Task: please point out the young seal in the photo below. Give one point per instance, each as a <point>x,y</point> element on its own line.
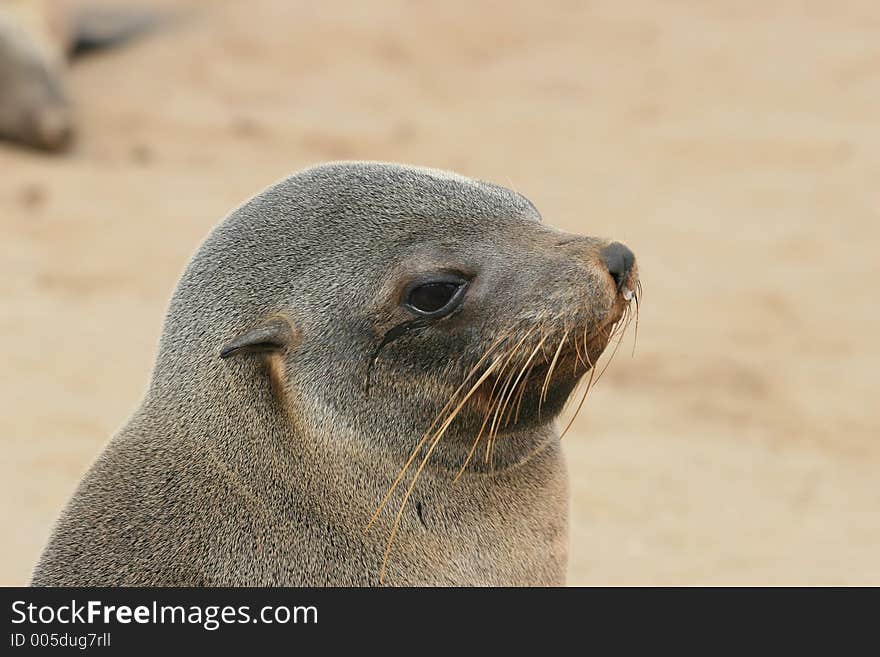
<point>36,37</point>
<point>362,352</point>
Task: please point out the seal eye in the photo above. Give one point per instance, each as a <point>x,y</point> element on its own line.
<point>435,298</point>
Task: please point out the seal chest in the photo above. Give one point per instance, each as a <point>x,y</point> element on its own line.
<point>356,384</point>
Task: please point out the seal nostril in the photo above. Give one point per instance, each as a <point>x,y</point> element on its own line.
<point>619,260</point>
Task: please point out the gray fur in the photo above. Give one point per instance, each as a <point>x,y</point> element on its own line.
<point>224,478</point>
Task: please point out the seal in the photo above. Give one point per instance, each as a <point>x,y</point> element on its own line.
<point>356,384</point>
<point>36,39</point>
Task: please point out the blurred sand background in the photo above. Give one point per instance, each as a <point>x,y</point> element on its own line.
<point>735,146</point>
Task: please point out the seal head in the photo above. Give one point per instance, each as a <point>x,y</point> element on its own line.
<point>381,289</point>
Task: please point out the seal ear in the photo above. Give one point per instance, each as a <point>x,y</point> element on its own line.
<point>271,336</point>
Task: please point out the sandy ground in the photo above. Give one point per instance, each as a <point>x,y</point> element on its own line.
<point>737,150</point>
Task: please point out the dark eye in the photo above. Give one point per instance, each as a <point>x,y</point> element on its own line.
<point>435,298</point>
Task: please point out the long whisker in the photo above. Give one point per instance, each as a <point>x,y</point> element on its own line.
<point>546,384</point>
<point>522,389</point>
<point>493,437</point>
<point>492,405</point>
<point>523,369</point>
<point>435,440</point>
<point>586,342</point>
<point>473,449</point>
<point>577,350</point>
<point>614,351</point>
<point>581,403</point>
<point>421,443</point>
<point>636,334</point>
<point>499,409</point>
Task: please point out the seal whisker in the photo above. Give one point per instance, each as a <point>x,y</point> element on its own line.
<point>509,397</point>
<point>424,438</point>
<point>581,403</point>
<point>622,332</point>
<point>499,408</point>
<point>546,384</point>
<point>522,390</point>
<point>524,385</point>
<point>473,448</point>
<point>491,405</point>
<point>499,411</point>
<point>586,342</point>
<point>636,333</point>
<point>434,441</point>
<point>527,365</point>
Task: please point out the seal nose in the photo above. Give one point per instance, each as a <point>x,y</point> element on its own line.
<point>619,260</point>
